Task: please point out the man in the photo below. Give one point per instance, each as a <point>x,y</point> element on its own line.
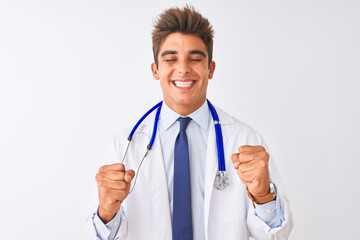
<point>175,197</point>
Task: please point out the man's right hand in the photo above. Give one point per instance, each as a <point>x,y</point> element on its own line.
<point>113,187</point>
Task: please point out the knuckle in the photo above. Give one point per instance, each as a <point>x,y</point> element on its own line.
<point>123,185</point>
<point>102,185</point>
<point>119,185</point>
<point>262,155</point>
<point>242,156</point>
<point>265,155</point>
<point>263,164</point>
<point>261,148</point>
<point>121,166</point>
<point>102,168</point>
<point>121,175</point>
<point>98,176</point>
<point>242,171</point>
<point>105,191</point>
<point>242,148</point>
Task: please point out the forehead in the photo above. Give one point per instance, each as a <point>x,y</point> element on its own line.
<point>182,43</point>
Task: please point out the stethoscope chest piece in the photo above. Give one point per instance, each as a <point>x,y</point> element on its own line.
<point>221,180</point>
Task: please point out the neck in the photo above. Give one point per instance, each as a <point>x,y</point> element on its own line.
<point>184,109</point>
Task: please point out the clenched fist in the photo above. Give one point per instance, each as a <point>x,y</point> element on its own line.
<point>251,164</point>
<point>113,187</point>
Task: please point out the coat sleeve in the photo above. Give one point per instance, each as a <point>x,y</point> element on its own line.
<point>259,229</point>
<point>113,156</point>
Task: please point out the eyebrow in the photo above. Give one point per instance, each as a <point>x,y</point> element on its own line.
<point>190,52</point>
<point>198,52</point>
<point>168,52</point>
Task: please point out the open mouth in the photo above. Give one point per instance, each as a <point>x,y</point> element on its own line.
<point>183,83</point>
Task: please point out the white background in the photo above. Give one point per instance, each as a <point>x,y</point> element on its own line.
<point>74,73</point>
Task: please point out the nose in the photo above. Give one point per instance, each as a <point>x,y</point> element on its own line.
<point>183,67</point>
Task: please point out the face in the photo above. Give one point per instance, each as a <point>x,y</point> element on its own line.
<point>183,71</point>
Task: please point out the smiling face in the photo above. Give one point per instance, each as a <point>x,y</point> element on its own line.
<point>183,71</point>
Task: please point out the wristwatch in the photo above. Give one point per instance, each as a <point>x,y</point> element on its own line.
<point>264,199</point>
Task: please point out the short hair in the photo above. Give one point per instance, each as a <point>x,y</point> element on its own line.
<point>186,21</point>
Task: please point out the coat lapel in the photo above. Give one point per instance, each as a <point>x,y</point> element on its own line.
<point>211,167</point>
<point>156,181</point>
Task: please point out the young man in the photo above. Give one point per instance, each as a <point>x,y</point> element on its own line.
<point>174,196</point>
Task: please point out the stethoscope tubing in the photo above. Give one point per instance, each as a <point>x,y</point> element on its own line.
<point>142,119</point>
<point>156,121</point>
<point>219,138</point>
<point>218,134</point>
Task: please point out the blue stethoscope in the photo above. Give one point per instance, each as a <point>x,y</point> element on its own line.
<point>221,180</point>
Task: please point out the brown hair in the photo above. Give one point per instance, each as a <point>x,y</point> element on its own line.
<point>186,21</point>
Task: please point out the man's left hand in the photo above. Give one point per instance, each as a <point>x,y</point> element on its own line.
<point>251,164</point>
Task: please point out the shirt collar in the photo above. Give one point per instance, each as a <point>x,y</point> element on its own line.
<point>169,116</point>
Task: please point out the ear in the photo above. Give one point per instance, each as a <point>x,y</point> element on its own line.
<point>211,69</point>
<point>154,71</point>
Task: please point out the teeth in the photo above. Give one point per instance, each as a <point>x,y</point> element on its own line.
<point>183,84</point>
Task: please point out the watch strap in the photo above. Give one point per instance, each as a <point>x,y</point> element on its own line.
<point>261,200</point>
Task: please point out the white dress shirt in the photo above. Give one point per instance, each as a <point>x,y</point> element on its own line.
<point>197,134</point>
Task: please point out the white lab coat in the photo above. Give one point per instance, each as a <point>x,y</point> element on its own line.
<point>228,213</point>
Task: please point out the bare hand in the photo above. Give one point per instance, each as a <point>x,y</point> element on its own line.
<point>251,164</point>
<point>113,187</point>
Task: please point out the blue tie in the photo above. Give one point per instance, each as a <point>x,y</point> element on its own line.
<point>182,220</point>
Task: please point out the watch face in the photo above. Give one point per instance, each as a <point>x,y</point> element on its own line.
<point>272,188</point>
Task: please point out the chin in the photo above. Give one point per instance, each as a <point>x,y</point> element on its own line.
<point>190,102</point>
